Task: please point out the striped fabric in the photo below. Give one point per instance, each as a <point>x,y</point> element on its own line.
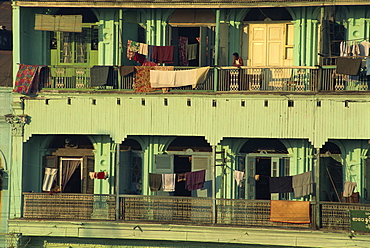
<point>49,178</point>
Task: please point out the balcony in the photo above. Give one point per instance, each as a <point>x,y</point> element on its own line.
<point>228,79</point>
<point>174,210</point>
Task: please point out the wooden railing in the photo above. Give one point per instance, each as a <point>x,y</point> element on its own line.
<point>229,79</point>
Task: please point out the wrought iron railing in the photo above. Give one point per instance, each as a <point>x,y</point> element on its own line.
<point>164,209</point>
<point>229,79</point>
<point>337,215</point>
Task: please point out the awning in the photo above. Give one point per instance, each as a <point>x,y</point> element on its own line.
<point>65,23</point>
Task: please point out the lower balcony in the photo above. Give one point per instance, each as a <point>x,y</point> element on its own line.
<point>179,210</point>
<point>223,79</point>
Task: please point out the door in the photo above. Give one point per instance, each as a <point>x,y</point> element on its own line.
<point>265,167</point>
<point>182,165</point>
<point>269,44</point>
<point>200,42</point>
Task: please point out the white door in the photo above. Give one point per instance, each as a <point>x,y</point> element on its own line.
<point>269,44</point>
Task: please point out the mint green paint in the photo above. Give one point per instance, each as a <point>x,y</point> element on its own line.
<point>5,153</point>
<point>108,47</point>
<point>16,26</point>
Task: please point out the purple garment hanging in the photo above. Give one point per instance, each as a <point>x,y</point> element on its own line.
<point>195,180</point>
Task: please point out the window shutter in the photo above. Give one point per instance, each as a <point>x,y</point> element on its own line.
<point>202,163</point>
<point>50,162</point>
<point>63,23</point>
<point>163,164</point>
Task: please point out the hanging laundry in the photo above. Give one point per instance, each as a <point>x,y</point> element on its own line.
<point>163,54</point>
<point>142,77</point>
<point>364,48</point>
<point>125,70</point>
<point>139,58</point>
<point>343,49</point>
<point>281,184</point>
<point>132,48</point>
<point>168,79</point>
<point>101,175</point>
<point>302,184</point>
<point>30,78</point>
<point>168,182</point>
<point>355,49</point>
<point>100,75</point>
<point>143,49</point>
<point>348,66</point>
<point>155,181</point>
<point>150,53</point>
<point>238,176</point>
<point>290,211</point>
<point>92,175</point>
<point>195,180</point>
<point>49,179</point>
<point>183,42</point>
<point>192,51</point>
<point>349,188</point>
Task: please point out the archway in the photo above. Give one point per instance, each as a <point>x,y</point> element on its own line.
<point>331,173</point>
<point>73,158</point>
<point>130,167</point>
<point>266,158</point>
<point>189,154</point>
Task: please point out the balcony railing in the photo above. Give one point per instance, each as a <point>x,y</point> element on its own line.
<point>228,79</point>
<point>185,210</point>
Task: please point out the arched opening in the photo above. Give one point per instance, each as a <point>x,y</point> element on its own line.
<point>193,36</point>
<point>266,158</point>
<point>130,167</point>
<point>268,37</point>
<point>268,14</point>
<point>331,173</point>
<point>67,168</point>
<point>186,154</point>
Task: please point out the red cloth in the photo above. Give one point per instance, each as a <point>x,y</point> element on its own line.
<point>100,175</point>
<point>183,42</point>
<point>140,58</point>
<point>30,78</point>
<point>163,54</point>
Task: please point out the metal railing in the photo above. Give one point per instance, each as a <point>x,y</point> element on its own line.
<point>229,79</point>
<point>337,216</point>
<point>185,210</point>
<point>68,206</point>
<point>268,79</point>
<point>158,209</point>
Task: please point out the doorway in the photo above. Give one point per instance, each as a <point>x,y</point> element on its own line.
<point>70,176</point>
<point>182,164</point>
<point>263,168</point>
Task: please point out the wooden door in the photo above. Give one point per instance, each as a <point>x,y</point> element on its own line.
<point>270,44</point>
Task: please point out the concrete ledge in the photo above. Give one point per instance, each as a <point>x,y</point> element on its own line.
<point>185,233</point>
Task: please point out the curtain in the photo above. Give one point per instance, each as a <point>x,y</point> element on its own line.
<point>68,168</point>
<point>49,178</point>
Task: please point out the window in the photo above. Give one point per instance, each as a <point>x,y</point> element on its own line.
<point>5,40</point>
<point>75,48</point>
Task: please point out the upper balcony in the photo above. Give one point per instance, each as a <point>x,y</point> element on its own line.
<point>296,79</point>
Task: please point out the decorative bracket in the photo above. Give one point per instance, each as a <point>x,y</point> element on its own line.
<point>17,122</point>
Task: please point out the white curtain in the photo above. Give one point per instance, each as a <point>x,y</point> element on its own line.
<point>68,168</point>
<point>49,178</point>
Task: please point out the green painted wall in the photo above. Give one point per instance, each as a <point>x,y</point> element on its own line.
<point>5,154</point>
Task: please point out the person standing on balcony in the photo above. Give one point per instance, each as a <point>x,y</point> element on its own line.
<point>235,75</point>
<point>238,61</point>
